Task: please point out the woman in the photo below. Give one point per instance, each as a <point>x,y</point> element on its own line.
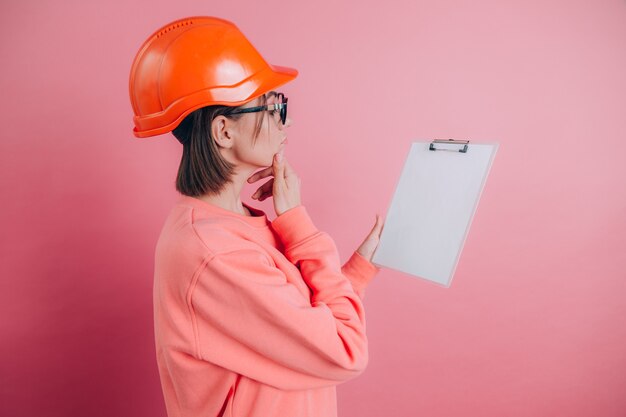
<point>252,317</point>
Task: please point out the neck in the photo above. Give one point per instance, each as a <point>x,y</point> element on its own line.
<point>229,198</point>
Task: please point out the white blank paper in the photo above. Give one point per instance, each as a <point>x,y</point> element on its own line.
<point>432,209</point>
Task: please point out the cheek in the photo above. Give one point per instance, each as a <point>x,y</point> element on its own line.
<point>258,154</point>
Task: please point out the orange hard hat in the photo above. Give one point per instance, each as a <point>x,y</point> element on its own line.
<point>192,63</point>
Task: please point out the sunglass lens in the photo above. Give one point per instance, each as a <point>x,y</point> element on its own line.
<point>283,111</point>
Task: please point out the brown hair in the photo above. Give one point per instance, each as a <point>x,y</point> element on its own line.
<point>202,168</point>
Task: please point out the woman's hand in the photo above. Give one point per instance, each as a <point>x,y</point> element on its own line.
<point>284,187</point>
<point>369,245</point>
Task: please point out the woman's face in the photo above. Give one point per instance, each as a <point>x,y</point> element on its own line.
<point>271,139</point>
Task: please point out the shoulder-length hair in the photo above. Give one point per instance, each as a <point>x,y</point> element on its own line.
<point>202,168</point>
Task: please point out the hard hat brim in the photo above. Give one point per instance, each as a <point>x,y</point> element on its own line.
<point>251,88</point>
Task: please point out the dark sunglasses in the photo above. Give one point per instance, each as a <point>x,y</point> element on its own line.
<point>281,104</point>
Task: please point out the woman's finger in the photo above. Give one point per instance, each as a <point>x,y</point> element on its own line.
<point>370,243</point>
<point>286,190</point>
<point>278,168</point>
<point>374,234</point>
<point>266,172</point>
<point>289,172</point>
<point>291,178</point>
<point>378,227</point>
<point>265,195</point>
<point>264,189</point>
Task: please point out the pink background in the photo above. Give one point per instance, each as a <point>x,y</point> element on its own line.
<point>534,322</point>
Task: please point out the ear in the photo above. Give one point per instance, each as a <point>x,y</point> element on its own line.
<point>223,131</point>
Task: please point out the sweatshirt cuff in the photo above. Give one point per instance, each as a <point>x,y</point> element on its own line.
<point>364,270</point>
<point>294,225</point>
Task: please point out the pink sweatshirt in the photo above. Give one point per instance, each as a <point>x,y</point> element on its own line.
<point>252,317</point>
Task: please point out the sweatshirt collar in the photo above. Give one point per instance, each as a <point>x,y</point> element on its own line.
<point>258,218</point>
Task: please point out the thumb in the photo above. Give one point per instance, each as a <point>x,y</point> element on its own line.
<point>370,244</point>
<point>378,227</point>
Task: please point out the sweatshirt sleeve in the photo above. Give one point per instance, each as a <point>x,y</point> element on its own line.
<point>360,272</point>
<point>248,318</point>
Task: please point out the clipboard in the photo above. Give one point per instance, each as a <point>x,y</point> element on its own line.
<point>433,206</point>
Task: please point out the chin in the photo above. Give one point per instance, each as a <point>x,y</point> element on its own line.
<point>266,164</point>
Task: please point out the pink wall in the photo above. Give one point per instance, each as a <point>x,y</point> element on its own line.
<point>534,323</point>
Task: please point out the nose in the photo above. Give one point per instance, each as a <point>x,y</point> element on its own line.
<point>288,122</point>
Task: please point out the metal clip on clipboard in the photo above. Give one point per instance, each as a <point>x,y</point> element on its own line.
<point>449,141</point>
